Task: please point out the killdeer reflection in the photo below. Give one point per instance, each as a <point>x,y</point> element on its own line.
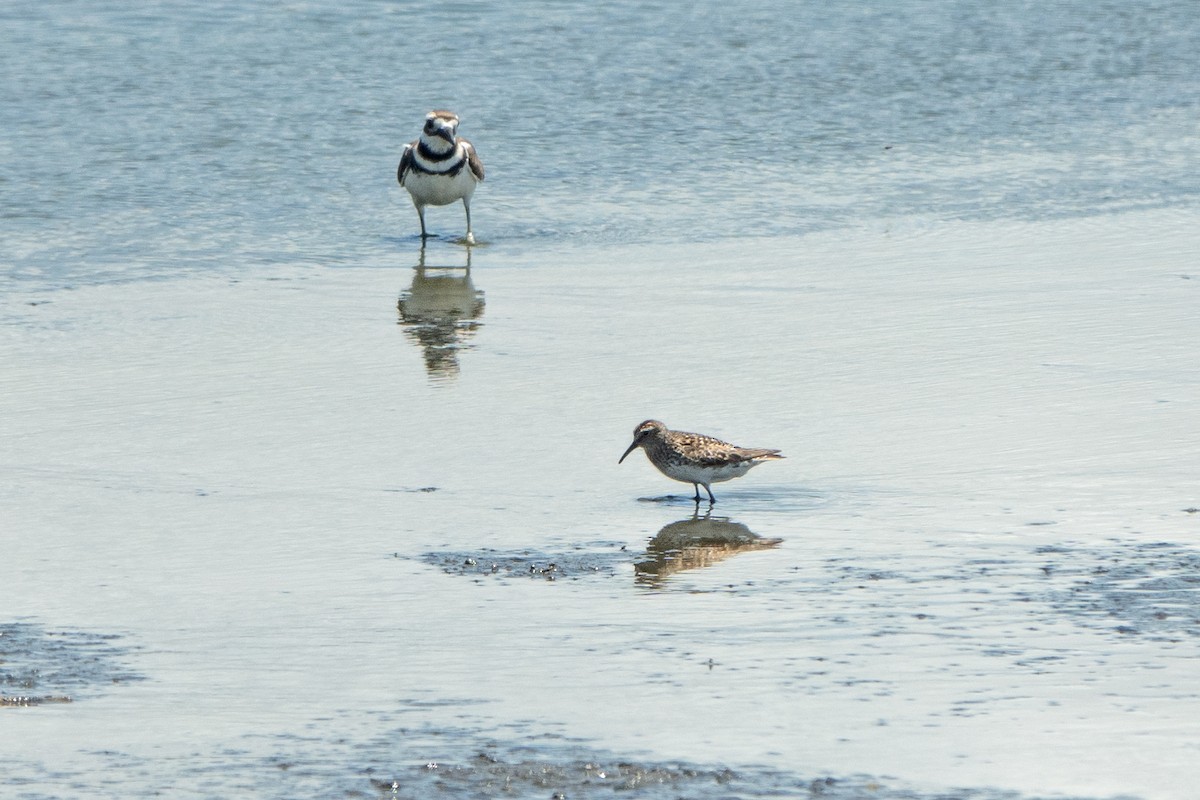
<point>440,168</point>
<point>441,311</point>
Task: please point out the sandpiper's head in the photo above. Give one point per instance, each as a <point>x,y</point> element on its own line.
<point>440,126</point>
<point>643,433</point>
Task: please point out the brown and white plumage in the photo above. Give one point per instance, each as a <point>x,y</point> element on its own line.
<point>695,458</point>
<point>440,167</point>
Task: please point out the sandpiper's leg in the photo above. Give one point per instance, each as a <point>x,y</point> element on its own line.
<point>467,207</point>
<point>421,215</point>
<point>711,499</point>
<point>697,497</point>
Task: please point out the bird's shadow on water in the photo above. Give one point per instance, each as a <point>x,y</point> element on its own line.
<point>788,499</point>
<point>433,239</point>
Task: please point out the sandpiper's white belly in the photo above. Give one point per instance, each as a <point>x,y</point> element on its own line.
<point>690,473</point>
<point>440,190</point>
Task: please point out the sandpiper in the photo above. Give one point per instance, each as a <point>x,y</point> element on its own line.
<point>440,168</point>
<point>695,458</point>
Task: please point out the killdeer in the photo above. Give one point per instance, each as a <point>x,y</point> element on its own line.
<point>694,458</point>
<point>440,167</point>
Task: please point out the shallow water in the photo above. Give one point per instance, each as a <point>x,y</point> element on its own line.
<point>985,573</point>
<point>160,140</point>
<point>354,511</point>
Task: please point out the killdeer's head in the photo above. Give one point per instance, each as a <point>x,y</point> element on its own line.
<point>441,130</point>
<point>643,433</point>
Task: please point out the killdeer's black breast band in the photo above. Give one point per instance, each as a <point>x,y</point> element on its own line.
<point>450,171</point>
<point>430,155</point>
<point>449,163</point>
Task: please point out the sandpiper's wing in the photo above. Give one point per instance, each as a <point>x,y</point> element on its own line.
<point>696,443</point>
<point>711,451</point>
<point>472,159</point>
<point>731,454</point>
<point>707,451</point>
<point>754,453</point>
<point>406,162</point>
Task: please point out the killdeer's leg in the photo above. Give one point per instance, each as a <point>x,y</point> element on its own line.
<point>421,215</point>
<point>467,207</point>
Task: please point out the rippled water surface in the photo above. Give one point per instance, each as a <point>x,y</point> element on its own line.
<point>296,507</point>
<point>150,139</point>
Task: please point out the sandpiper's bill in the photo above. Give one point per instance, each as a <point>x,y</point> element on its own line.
<point>695,458</point>
<point>440,167</point>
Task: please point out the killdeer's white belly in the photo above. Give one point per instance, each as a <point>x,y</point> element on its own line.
<point>440,190</point>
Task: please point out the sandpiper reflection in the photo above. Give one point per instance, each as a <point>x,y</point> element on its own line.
<point>441,311</point>
<point>697,542</point>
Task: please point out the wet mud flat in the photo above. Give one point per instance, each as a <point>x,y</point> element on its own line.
<point>40,666</point>
<point>455,763</point>
<point>1149,589</point>
<point>569,772</point>
<point>488,775</point>
<point>584,561</point>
